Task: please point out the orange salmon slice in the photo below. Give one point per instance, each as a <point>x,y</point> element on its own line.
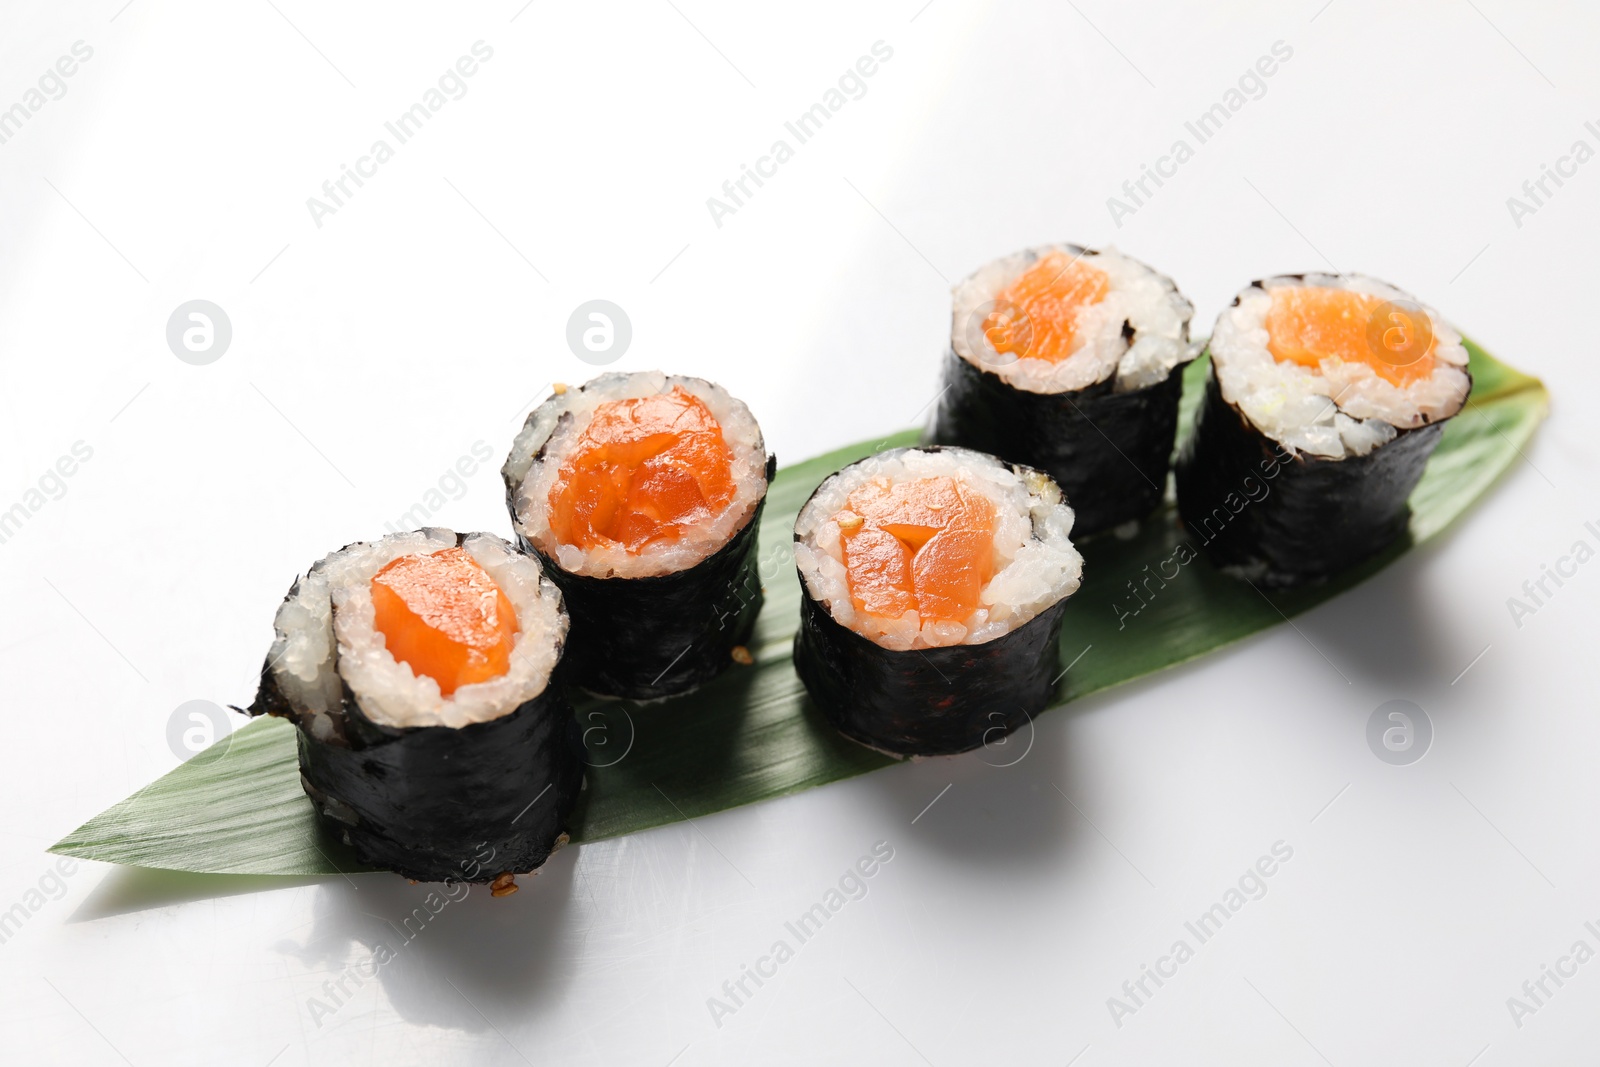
<point>1036,316</point>
<point>643,471</point>
<point>442,615</point>
<point>925,545</point>
<point>1308,324</point>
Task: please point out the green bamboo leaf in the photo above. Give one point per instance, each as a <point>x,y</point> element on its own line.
<point>751,735</point>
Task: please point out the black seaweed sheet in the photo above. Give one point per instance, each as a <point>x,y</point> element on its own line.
<point>436,803</point>
<point>1108,451</point>
<point>1286,520</point>
<point>927,702</point>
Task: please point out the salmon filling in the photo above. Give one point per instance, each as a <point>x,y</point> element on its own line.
<point>643,471</point>
<point>925,546</point>
<point>443,616</point>
<point>1308,324</point>
<point>1036,316</point>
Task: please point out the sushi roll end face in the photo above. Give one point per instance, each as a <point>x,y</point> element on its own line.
<point>641,494</point>
<point>1070,360</point>
<point>418,671</point>
<point>934,581</point>
<point>1326,395</point>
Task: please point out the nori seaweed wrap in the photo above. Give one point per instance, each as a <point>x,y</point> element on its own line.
<point>474,785</point>
<point>933,702</point>
<point>1070,361</point>
<point>660,635</point>
<point>977,553</point>
<point>1317,478</point>
<point>661,592</point>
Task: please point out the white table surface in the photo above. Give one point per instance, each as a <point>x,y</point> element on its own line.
<point>428,311</point>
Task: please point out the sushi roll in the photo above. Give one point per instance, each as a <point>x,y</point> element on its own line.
<point>418,670</point>
<point>1071,361</point>
<point>934,584</point>
<point>1325,397</point>
<point>641,494</point>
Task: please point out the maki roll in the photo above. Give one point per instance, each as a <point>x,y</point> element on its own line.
<point>934,584</point>
<point>1070,360</point>
<point>641,494</point>
<point>1325,397</point>
<point>417,669</point>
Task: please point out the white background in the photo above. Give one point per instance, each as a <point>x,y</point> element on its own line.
<point>429,312</point>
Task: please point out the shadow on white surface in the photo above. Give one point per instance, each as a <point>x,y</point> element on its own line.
<point>1001,808</point>
<point>1389,632</point>
<point>125,890</point>
<point>470,964</point>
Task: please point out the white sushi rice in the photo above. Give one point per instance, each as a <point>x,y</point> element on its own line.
<point>1035,564</point>
<point>555,426</point>
<point>1337,409</point>
<point>1148,302</point>
<point>326,635</point>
